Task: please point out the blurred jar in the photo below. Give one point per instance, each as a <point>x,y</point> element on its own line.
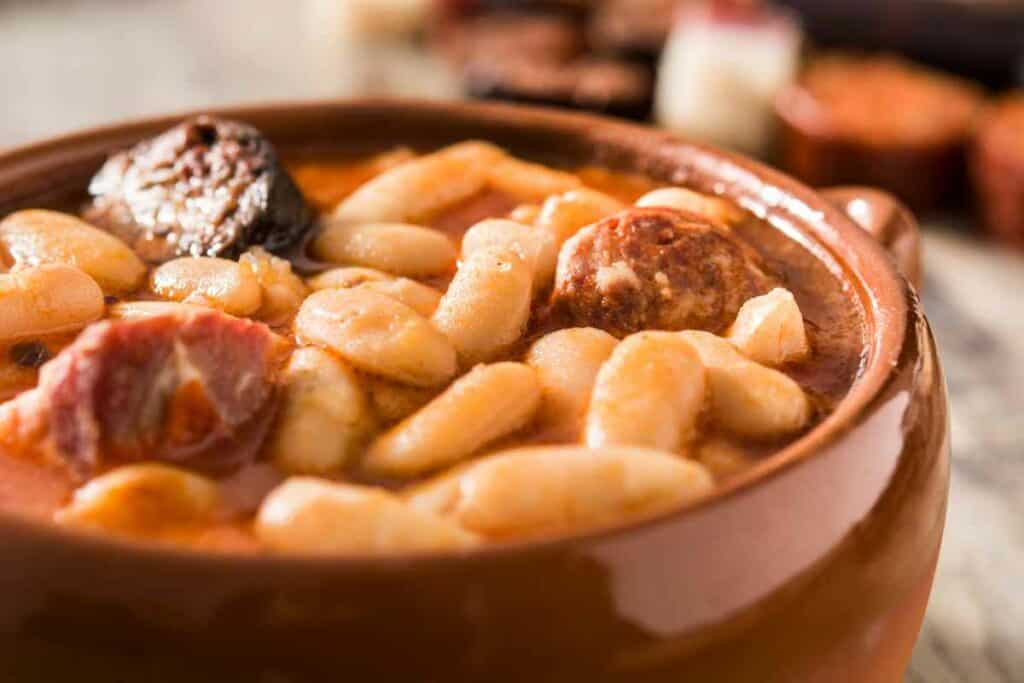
<point>723,65</point>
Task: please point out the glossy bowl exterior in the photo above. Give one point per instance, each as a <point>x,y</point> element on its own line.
<point>819,571</point>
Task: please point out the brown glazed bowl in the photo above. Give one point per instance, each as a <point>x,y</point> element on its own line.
<point>814,566</point>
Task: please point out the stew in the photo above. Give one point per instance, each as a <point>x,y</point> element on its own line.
<point>227,349</point>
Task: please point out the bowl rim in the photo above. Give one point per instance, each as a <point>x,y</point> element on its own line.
<point>889,306</point>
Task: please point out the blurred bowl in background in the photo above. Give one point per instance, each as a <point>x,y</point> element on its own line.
<point>881,121</point>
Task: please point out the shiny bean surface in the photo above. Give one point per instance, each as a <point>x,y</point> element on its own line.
<point>325,419</point>
<point>215,282</point>
<point>487,304</point>
<point>769,329</point>
<point>313,516</point>
<point>282,290</point>
<point>395,248</point>
<point>141,500</point>
<point>526,180</point>
<point>346,278</point>
<point>134,310</point>
<point>36,237</point>
<point>650,393</point>
<point>746,398</point>
<point>489,402</point>
<point>712,208</point>
<point>416,189</point>
<point>47,299</point>
<point>567,363</point>
<point>416,295</point>
<point>563,215</point>
<point>537,247</point>
<point>377,334</point>
<point>544,490</point>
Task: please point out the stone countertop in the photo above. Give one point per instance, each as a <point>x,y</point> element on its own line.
<point>76,63</point>
<point>974,297</point>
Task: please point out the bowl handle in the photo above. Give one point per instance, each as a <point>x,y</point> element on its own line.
<point>887,220</point>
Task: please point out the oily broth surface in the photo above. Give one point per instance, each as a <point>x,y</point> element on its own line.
<point>833,322</point>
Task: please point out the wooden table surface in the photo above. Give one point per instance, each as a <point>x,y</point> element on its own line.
<point>75,63</point>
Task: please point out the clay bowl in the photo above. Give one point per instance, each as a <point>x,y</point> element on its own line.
<point>814,566</point>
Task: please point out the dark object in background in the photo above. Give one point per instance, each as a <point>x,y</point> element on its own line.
<point>878,121</point>
<point>616,88</point>
<point>568,8</point>
<point>505,35</point>
<point>628,28</point>
<point>983,39</point>
<point>541,58</point>
<point>206,187</point>
<point>997,169</point>
<point>636,28</point>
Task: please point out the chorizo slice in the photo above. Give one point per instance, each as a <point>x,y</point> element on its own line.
<point>196,389</point>
<point>207,187</point>
<point>655,268</point>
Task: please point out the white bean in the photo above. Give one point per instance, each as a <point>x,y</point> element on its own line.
<point>36,237</point>
<point>748,399</point>
<point>525,214</point>
<point>489,402</point>
<point>650,393</point>
<point>395,248</point>
<point>141,500</point>
<point>415,295</point>
<point>377,334</point>
<point>722,459</point>
<point>325,418</point>
<point>565,214</point>
<point>544,490</point>
<point>393,402</point>
<point>528,181</point>
<point>308,515</point>
<point>135,310</point>
<point>487,304</point>
<point>537,247</point>
<point>769,329</point>
<point>206,281</point>
<point>713,208</point>
<point>47,299</point>
<point>420,188</point>
<point>282,290</point>
<point>346,278</point>
<point>567,363</point>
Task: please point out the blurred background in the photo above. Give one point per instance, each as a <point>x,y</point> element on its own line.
<point>922,97</point>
